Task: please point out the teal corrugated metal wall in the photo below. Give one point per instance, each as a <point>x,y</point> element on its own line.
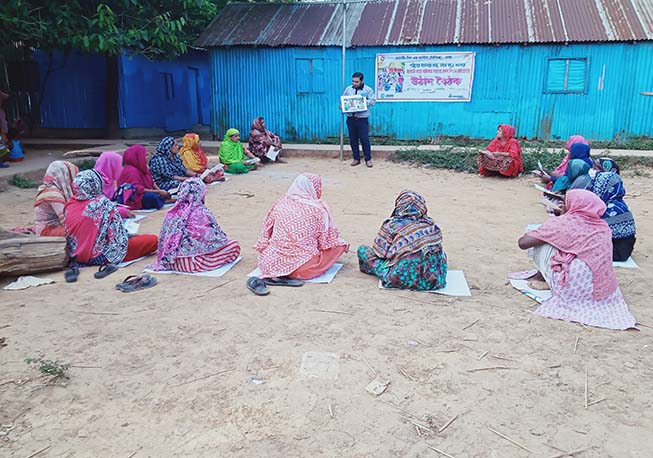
<point>508,88</point>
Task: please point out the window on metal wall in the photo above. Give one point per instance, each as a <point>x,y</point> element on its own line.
<point>309,74</point>
<point>168,86</point>
<point>566,76</point>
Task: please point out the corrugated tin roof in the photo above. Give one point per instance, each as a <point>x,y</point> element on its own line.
<point>429,22</point>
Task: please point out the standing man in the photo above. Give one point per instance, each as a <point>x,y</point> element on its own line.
<point>358,123</point>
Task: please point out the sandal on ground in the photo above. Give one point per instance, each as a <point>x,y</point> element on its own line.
<point>71,275</point>
<point>105,271</point>
<point>283,281</point>
<point>136,283</point>
<point>257,286</point>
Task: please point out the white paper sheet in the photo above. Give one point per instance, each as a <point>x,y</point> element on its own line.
<point>217,273</point>
<point>27,282</point>
<point>537,295</point>
<point>456,285</point>
<point>326,277</point>
<point>627,264</point>
<point>131,226</point>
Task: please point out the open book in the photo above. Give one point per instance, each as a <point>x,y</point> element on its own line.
<point>548,193</point>
<point>213,169</point>
<point>256,160</point>
<point>272,153</point>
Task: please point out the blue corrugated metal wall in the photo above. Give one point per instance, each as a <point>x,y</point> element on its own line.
<point>72,90</point>
<point>508,88</point>
<point>173,95</point>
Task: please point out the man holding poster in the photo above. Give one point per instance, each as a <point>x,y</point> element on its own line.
<point>357,120</point>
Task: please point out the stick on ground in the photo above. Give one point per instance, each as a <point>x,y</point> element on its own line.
<point>572,453</point>
<point>40,451</point>
<point>439,451</point>
<point>596,402</point>
<point>333,311</point>
<point>576,344</point>
<point>406,375</point>
<point>446,425</point>
<point>201,378</point>
<point>586,389</point>
<point>368,364</point>
<point>489,368</point>
<point>509,439</point>
<point>471,324</point>
<point>483,355</point>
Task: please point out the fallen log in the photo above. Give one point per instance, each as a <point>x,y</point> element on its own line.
<point>25,254</point>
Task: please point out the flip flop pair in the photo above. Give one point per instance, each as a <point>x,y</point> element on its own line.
<point>136,283</point>
<point>260,286</point>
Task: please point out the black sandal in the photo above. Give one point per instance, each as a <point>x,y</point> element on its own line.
<point>136,283</point>
<point>105,271</point>
<point>283,281</point>
<point>71,275</point>
<point>257,286</point>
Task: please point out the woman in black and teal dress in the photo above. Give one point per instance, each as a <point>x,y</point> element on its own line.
<point>407,252</point>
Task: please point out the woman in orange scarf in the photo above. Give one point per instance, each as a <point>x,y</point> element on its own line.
<point>192,154</point>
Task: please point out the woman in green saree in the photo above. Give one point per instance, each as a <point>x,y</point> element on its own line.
<point>234,156</point>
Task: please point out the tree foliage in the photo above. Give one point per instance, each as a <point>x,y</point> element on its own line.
<point>157,30</point>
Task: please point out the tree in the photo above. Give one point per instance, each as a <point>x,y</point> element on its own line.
<point>157,30</point>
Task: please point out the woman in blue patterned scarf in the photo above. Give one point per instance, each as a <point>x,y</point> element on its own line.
<point>407,251</point>
<point>607,184</point>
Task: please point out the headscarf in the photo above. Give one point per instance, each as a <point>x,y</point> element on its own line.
<point>94,228</point>
<point>109,165</point>
<point>609,187</point>
<point>192,153</point>
<point>231,152</point>
<point>575,169</point>
<point>562,168</point>
<point>580,151</point>
<point>581,233</point>
<point>307,189</point>
<point>57,183</point>
<point>508,145</point>
<point>408,230</point>
<point>135,159</point>
<point>165,146</point>
<point>189,229</point>
<point>575,139</point>
<point>258,133</point>
<point>607,164</point>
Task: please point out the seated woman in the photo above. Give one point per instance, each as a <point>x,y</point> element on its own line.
<point>51,198</point>
<point>261,139</point>
<point>167,167</point>
<point>576,177</point>
<point>407,252</point>
<point>502,155</point>
<point>232,154</point>
<point>573,254</point>
<point>191,240</point>
<point>299,238</point>
<point>145,194</point>
<point>550,178</point>
<point>195,160</point>
<point>607,185</point>
<point>109,166</point>
<point>94,228</point>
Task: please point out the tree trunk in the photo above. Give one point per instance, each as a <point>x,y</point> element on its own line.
<point>21,254</point>
<point>111,97</point>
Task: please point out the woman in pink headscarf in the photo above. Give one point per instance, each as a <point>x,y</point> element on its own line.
<point>299,238</point>
<point>136,183</point>
<point>560,170</point>
<point>191,240</point>
<point>573,254</point>
<point>109,165</point>
<point>502,155</point>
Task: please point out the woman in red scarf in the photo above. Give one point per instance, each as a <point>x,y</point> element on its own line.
<point>146,194</point>
<point>502,155</point>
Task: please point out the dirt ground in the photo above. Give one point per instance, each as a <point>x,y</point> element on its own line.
<point>177,370</point>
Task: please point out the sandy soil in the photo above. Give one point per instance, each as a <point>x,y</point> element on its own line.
<point>143,381</point>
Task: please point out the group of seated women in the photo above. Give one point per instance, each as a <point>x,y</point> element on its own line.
<point>602,177</point>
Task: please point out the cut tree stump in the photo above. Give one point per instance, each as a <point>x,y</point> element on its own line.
<point>28,254</point>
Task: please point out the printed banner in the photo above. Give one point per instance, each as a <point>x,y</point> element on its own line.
<point>433,76</point>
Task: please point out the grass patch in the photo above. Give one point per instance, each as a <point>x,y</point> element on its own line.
<point>464,159</point>
<point>23,182</point>
<point>86,164</point>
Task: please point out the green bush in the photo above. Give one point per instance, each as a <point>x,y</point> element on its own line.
<point>22,182</point>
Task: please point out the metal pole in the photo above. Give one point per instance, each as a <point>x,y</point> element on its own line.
<point>344,47</point>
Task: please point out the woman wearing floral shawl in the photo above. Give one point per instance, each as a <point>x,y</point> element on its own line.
<point>51,199</point>
<point>407,251</point>
<point>94,228</point>
<point>261,139</point>
<point>191,240</point>
<point>167,167</point>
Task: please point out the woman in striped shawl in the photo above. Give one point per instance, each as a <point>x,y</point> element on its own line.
<point>407,252</point>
